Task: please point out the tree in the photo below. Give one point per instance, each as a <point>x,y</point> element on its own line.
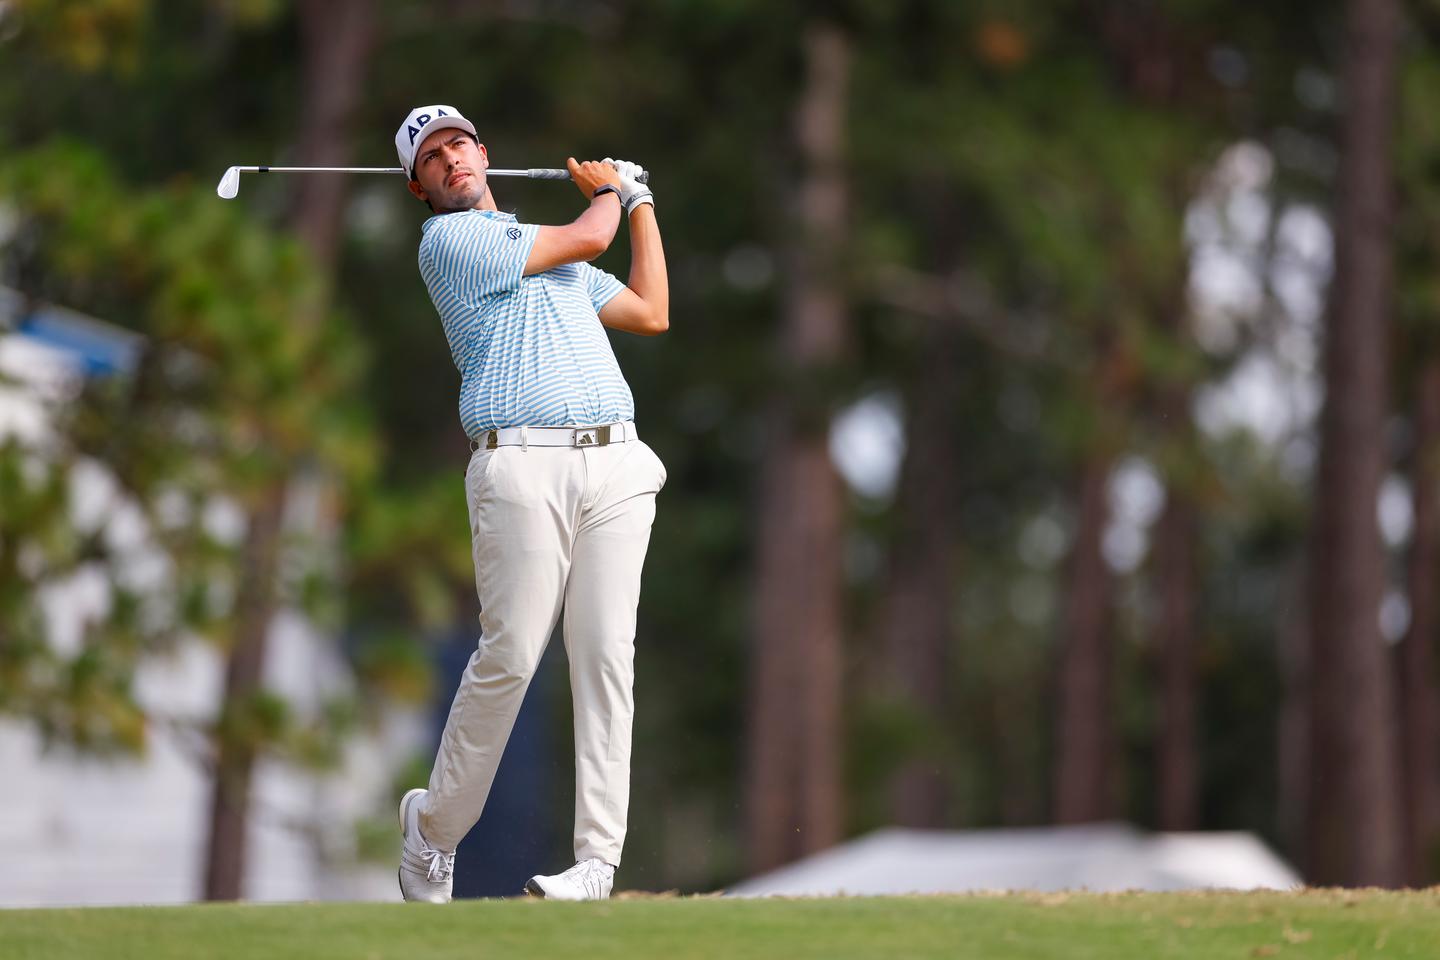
<point>1085,747</point>
<point>336,46</point>
<point>793,783</point>
<point>1418,376</point>
<point>918,635</point>
<point>229,395</point>
<point>1177,579</point>
<point>1419,708</point>
<point>1150,46</point>
<point>1354,819</point>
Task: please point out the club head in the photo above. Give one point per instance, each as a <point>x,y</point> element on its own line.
<point>229,184</point>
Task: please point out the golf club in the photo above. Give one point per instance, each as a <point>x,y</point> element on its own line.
<point>229,186</point>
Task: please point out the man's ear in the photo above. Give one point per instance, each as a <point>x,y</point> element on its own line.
<point>484,156</point>
<point>418,190</point>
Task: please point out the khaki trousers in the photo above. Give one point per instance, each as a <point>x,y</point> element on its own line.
<point>551,526</point>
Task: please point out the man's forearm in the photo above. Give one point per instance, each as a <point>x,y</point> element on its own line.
<point>583,239</point>
<point>601,219</point>
<point>648,277</point>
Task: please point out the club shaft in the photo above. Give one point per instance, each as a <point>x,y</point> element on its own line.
<point>534,173</point>
<point>268,169</point>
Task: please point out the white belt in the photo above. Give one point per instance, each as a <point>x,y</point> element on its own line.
<point>600,436</point>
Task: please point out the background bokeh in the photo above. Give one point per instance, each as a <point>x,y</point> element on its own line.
<point>1049,405</point>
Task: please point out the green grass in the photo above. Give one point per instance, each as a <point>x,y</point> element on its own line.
<point>1328,924</point>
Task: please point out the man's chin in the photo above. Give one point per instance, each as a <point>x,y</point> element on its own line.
<point>464,196</point>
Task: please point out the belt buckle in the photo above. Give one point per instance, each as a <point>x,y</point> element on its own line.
<point>592,436</point>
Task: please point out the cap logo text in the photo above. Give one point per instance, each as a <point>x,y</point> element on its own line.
<point>420,122</point>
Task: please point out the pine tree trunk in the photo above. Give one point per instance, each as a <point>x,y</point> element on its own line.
<point>235,757</point>
<point>337,39</point>
<point>1083,736</point>
<point>1292,733</point>
<point>1175,572</point>
<point>1151,47</point>
<point>794,759</point>
<point>1354,807</point>
<point>918,636</point>
<point>1420,704</point>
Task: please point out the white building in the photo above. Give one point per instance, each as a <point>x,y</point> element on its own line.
<point>1099,857</point>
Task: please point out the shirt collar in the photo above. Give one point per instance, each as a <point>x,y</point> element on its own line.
<point>488,214</point>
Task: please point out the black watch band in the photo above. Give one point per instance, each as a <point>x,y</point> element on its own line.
<point>605,188</point>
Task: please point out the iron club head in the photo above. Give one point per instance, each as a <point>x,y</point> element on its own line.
<point>229,185</point>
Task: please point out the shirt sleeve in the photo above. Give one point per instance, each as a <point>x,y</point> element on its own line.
<point>479,257</point>
<point>601,286</point>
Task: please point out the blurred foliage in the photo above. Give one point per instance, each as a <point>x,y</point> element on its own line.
<point>229,392</point>
<point>1017,170</point>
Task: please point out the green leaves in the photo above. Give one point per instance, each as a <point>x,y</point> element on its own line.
<point>234,309</point>
<point>245,378</point>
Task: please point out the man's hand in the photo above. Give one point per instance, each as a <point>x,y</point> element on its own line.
<point>632,191</point>
<point>592,175</point>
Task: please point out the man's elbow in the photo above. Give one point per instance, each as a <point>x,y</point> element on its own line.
<point>657,322</point>
<point>583,243</point>
<point>597,241</point>
<point>594,245</point>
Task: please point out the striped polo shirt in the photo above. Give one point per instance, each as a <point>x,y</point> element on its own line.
<point>530,350</point>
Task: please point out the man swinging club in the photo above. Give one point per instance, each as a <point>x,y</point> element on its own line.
<point>561,490</point>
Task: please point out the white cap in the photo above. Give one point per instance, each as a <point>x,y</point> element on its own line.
<point>422,122</point>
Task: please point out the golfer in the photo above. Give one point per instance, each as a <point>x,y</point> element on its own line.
<point>561,490</point>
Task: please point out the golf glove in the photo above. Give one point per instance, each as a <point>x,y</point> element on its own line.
<point>632,191</point>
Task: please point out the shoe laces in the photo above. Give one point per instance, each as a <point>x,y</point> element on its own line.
<point>591,875</point>
<point>591,869</point>
<point>439,866</point>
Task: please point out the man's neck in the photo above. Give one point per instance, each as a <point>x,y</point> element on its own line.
<point>486,202</point>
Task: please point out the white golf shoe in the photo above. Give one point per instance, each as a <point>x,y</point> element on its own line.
<point>587,880</point>
<point>426,874</point>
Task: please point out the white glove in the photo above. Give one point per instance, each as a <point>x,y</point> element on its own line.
<point>632,191</point>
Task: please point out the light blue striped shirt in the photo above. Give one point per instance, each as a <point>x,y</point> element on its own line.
<point>530,350</point>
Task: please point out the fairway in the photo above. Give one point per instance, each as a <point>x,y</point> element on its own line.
<point>1326,924</point>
